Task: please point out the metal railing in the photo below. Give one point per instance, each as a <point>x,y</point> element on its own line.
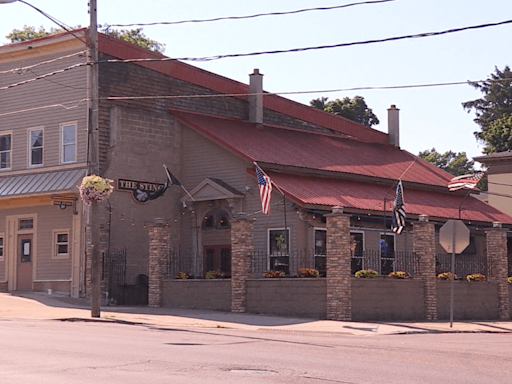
<point>180,262</point>
<point>465,264</point>
<point>387,262</point>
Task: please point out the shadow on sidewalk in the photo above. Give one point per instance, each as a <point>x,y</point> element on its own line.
<point>62,301</point>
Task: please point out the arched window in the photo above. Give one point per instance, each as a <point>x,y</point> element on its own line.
<point>216,219</point>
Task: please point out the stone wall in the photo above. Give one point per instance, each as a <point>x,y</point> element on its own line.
<point>212,294</point>
<point>472,300</point>
<point>288,297</point>
<point>383,298</point>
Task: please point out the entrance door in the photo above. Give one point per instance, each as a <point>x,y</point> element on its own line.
<point>217,258</point>
<point>24,263</point>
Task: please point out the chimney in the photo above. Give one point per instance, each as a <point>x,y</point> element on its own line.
<point>256,102</point>
<point>393,126</point>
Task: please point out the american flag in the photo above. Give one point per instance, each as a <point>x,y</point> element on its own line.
<point>265,186</point>
<point>398,210</point>
<point>465,182</point>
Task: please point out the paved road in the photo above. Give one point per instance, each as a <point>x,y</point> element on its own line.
<point>64,352</point>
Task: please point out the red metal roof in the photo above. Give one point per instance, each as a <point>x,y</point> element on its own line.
<point>370,197</point>
<point>221,84</point>
<point>316,151</point>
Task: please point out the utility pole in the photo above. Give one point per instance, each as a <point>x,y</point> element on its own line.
<point>94,161</point>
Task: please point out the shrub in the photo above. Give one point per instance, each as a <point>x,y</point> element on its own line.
<point>398,274</point>
<point>273,273</point>
<point>509,279</point>
<point>308,272</point>
<point>214,275</point>
<point>446,276</point>
<point>366,273</point>
<point>475,277</point>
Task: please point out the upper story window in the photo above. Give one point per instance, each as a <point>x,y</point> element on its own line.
<point>68,143</point>
<point>35,147</point>
<point>5,150</point>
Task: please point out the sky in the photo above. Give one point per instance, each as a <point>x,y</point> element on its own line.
<point>430,117</point>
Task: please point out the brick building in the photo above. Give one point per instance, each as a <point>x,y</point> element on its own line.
<point>168,112</point>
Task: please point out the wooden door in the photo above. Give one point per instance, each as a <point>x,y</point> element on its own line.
<point>24,263</point>
<point>217,258</point>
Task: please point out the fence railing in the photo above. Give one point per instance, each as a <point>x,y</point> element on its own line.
<point>291,262</point>
<point>464,264</point>
<point>387,262</point>
<point>180,262</point>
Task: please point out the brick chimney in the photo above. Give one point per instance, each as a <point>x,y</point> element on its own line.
<point>393,126</point>
<point>256,102</point>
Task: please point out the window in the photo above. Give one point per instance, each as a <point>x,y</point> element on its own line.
<point>5,151</point>
<point>68,143</point>
<point>278,243</point>
<point>387,252</point>
<point>35,147</point>
<point>357,248</point>
<point>278,240</point>
<point>61,244</point>
<point>1,247</point>
<point>216,219</point>
<point>26,223</point>
<point>320,250</point>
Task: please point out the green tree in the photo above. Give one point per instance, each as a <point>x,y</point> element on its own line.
<point>134,36</point>
<point>29,33</point>
<point>494,111</point>
<point>457,164</point>
<point>354,109</point>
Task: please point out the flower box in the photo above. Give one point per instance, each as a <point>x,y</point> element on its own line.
<point>366,274</point>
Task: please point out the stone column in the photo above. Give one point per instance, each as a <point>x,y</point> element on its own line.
<point>242,249</point>
<point>339,287</point>
<point>424,246</point>
<point>497,265</point>
<point>159,245</point>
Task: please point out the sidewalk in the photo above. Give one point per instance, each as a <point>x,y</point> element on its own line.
<point>49,307</point>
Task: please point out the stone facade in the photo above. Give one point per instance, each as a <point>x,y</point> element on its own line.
<point>241,254</point>
<point>497,264</point>
<point>159,244</point>
<point>424,247</point>
<point>339,294</point>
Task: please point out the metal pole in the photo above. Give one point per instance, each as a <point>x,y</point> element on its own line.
<point>452,286</point>
<point>94,162</point>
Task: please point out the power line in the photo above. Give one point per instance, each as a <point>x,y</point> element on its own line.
<point>107,26</point>
<point>28,67</point>
<point>154,97</point>
<point>75,103</point>
<point>43,76</point>
<point>61,24</point>
<point>232,55</point>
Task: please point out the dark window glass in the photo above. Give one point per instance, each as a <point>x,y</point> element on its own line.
<point>26,223</point>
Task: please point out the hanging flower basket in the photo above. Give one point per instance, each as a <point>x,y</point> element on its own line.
<point>95,188</point>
